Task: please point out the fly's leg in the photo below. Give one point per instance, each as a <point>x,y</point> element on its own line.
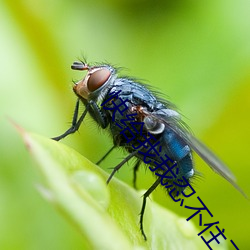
<point>116,168</point>
<point>136,167</point>
<point>105,155</point>
<point>98,115</point>
<point>145,196</point>
<point>75,124</point>
<point>91,107</point>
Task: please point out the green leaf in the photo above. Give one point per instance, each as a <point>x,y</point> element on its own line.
<point>106,215</point>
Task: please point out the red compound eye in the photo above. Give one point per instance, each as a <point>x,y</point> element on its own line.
<point>97,79</point>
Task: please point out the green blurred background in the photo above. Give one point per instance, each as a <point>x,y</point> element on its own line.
<point>195,52</point>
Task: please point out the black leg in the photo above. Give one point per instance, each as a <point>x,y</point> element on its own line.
<point>136,167</point>
<point>105,155</point>
<point>145,196</point>
<point>75,124</point>
<point>76,111</point>
<point>122,163</point>
<point>100,117</point>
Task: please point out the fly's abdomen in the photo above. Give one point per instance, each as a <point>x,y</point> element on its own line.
<point>180,152</point>
<point>169,158</point>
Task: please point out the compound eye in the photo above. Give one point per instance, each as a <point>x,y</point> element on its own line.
<point>97,79</point>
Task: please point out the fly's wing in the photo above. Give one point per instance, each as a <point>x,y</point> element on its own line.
<point>212,160</point>
<point>174,123</point>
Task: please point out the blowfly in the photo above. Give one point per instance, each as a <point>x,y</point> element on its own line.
<point>148,127</point>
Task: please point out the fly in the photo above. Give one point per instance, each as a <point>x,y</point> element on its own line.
<point>161,134</point>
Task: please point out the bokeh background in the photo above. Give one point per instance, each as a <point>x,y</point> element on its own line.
<point>195,52</point>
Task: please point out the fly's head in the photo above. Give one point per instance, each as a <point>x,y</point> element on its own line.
<point>93,85</point>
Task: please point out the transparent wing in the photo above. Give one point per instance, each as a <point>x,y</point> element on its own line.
<point>175,124</point>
